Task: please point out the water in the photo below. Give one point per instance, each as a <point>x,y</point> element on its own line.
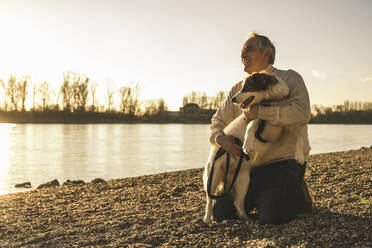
<point>39,153</point>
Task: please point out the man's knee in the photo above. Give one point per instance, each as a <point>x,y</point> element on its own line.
<point>277,207</point>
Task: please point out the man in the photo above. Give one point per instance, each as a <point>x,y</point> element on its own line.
<point>277,187</point>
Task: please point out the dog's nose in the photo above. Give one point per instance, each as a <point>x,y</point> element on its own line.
<point>233,99</point>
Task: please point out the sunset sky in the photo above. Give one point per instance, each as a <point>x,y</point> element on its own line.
<point>173,47</point>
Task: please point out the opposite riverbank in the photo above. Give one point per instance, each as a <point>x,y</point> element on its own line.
<point>166,210</point>
<point>189,114</point>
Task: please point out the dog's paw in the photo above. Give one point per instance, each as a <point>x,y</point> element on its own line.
<point>243,216</point>
<point>207,220</point>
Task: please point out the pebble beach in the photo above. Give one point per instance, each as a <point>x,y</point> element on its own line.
<point>166,210</point>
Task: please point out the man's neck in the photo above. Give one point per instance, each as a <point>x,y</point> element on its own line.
<point>269,69</point>
<point>262,68</point>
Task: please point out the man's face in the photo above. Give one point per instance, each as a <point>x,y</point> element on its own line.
<point>252,58</point>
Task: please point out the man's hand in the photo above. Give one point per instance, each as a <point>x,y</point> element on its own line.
<point>251,113</point>
<point>227,143</point>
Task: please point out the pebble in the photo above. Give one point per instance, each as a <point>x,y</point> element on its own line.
<point>131,213</point>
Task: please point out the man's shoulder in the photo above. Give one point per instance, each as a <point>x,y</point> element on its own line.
<point>287,74</point>
<point>281,71</point>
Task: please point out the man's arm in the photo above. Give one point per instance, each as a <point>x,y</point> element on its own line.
<point>292,111</point>
<point>223,116</point>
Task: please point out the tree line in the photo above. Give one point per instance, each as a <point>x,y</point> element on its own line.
<point>204,101</point>
<point>78,94</point>
<point>72,96</point>
<point>351,112</point>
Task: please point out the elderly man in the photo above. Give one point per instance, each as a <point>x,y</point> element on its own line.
<point>277,189</point>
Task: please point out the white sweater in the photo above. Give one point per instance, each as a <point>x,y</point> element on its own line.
<point>293,114</point>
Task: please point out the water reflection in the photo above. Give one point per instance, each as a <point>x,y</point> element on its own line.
<point>5,152</point>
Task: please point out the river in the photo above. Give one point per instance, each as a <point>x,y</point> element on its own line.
<point>39,153</point>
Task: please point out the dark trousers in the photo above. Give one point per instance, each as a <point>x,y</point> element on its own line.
<point>274,190</point>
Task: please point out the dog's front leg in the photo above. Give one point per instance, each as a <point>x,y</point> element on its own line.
<point>241,189</point>
<point>208,207</point>
<point>208,210</point>
<point>218,174</point>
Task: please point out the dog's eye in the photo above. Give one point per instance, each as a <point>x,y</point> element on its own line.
<point>246,88</point>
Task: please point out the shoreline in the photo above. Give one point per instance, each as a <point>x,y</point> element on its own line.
<point>34,186</point>
<point>186,122</point>
<point>166,210</point>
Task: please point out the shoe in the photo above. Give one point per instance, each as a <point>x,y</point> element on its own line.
<point>308,200</point>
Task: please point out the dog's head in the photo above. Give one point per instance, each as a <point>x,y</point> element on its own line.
<point>260,87</point>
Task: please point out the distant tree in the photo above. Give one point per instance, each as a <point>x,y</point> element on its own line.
<point>5,95</point>
<point>34,95</point>
<point>351,112</point>
<point>22,90</point>
<point>12,93</point>
<point>57,96</point>
<point>185,100</point>
<point>135,103</point>
<point>193,97</point>
<point>219,98</point>
<point>154,107</point>
<point>346,105</point>
<point>203,101</point>
<point>338,108</point>
<point>93,88</point>
<point>109,99</point>
<point>316,110</point>
<point>66,91</point>
<point>367,106</point>
<point>83,93</point>
<point>150,108</point>
<point>125,99</point>
<point>129,102</point>
<point>79,87</point>
<point>162,106</point>
<point>45,94</point>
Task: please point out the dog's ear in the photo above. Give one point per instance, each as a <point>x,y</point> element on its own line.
<point>259,81</point>
<point>270,80</point>
<point>246,84</point>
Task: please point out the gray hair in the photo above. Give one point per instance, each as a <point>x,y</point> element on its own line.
<point>263,44</point>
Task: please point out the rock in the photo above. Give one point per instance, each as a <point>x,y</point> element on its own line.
<point>55,182</point>
<point>73,182</point>
<point>98,180</point>
<point>23,185</point>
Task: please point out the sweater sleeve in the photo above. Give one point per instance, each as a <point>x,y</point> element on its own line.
<point>224,115</point>
<point>293,110</point>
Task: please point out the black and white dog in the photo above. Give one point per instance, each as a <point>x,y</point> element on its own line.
<point>256,89</point>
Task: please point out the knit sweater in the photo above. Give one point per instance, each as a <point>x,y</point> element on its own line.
<point>292,114</point>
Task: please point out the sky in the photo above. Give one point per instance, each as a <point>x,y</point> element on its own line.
<point>173,47</point>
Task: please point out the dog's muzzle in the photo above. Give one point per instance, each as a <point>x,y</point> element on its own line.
<point>246,102</point>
